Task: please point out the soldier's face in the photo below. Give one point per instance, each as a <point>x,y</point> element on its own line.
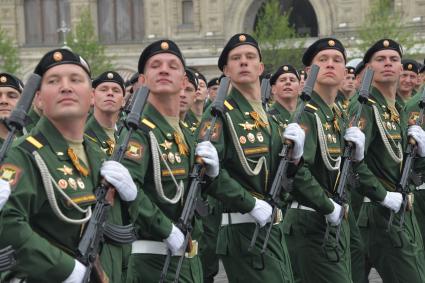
<point>163,74</point>
<point>65,93</point>
<point>8,99</point>
<point>287,86</point>
<point>187,97</point>
<point>243,65</point>
<point>348,84</point>
<point>407,81</point>
<point>201,92</point>
<point>108,98</point>
<point>212,92</point>
<point>387,66</point>
<point>332,67</point>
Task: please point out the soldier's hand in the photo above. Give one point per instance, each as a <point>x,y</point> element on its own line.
<point>418,134</point>
<point>77,273</point>
<point>209,155</point>
<point>261,212</point>
<point>393,201</point>
<point>296,134</point>
<point>356,136</point>
<point>118,176</point>
<point>334,218</point>
<point>4,192</point>
<point>175,240</point>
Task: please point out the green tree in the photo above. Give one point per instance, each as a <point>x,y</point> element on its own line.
<point>9,58</point>
<point>383,21</point>
<point>85,42</point>
<point>279,41</point>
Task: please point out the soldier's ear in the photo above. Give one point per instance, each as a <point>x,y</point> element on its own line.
<point>37,101</point>
<point>226,71</point>
<point>141,80</point>
<point>261,68</point>
<point>307,70</point>
<point>92,97</point>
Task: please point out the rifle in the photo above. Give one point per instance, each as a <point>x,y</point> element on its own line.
<point>273,195</point>
<point>15,123</point>
<point>197,178</point>
<point>341,197</point>
<point>265,93</point>
<point>407,173</point>
<point>89,246</point>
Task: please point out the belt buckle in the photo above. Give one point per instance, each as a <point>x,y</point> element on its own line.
<point>193,250</point>
<point>278,218</point>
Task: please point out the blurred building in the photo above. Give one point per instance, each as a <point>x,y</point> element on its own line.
<point>200,27</point>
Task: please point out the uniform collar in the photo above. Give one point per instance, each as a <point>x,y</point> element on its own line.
<point>93,127</point>
<point>324,108</point>
<point>157,118</point>
<point>281,109</point>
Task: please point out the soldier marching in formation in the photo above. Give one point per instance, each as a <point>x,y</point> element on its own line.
<point>52,173</point>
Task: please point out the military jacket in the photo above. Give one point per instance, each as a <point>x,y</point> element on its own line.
<point>97,134</point>
<point>342,102</point>
<point>317,180</point>
<point>152,214</point>
<point>191,122</point>
<point>280,114</point>
<point>31,120</point>
<point>385,130</point>
<point>413,113</point>
<point>239,132</point>
<point>45,244</point>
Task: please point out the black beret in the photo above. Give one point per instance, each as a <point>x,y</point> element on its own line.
<point>284,69</point>
<point>235,41</point>
<point>157,47</point>
<point>134,78</point>
<point>382,44</point>
<point>59,57</point>
<point>9,80</point>
<point>410,65</point>
<point>109,76</point>
<point>192,78</point>
<point>213,82</point>
<point>322,44</point>
<point>359,68</point>
<point>200,76</point>
<point>351,70</point>
<point>422,69</point>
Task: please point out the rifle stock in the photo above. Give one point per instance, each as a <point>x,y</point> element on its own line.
<point>89,245</point>
<point>197,176</point>
<point>273,195</point>
<point>265,93</point>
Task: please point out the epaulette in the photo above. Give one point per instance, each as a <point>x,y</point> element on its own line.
<point>230,104</point>
<point>310,107</point>
<point>33,143</point>
<point>90,135</point>
<point>146,125</point>
<point>273,112</point>
<point>371,101</point>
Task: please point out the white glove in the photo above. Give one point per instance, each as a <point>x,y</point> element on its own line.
<point>356,136</point>
<point>209,155</point>
<point>393,201</point>
<point>175,240</point>
<point>418,134</point>
<point>77,273</point>
<point>119,177</point>
<point>4,192</point>
<point>296,134</point>
<point>262,212</point>
<point>334,217</point>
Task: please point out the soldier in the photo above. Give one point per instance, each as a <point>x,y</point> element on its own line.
<point>384,123</point>
<point>359,74</point>
<point>407,81</point>
<point>108,100</point>
<point>315,258</point>
<point>285,83</point>
<point>160,158</point>
<point>200,97</point>
<point>248,143</point>
<point>303,77</point>
<point>53,173</point>
<point>188,118</point>
<point>346,90</point>
<point>212,88</point>
<point>10,92</point>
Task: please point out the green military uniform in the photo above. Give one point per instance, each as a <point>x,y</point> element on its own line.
<point>244,137</point>
<point>149,169</point>
<point>31,120</point>
<point>45,244</point>
<point>191,122</point>
<point>280,113</point>
<point>97,134</point>
<point>314,183</point>
<point>385,130</point>
<point>412,110</point>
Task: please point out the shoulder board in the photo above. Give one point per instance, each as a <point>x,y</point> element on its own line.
<point>148,123</point>
<point>90,135</point>
<point>230,104</point>
<point>273,112</point>
<point>310,108</point>
<point>371,101</point>
<point>33,143</point>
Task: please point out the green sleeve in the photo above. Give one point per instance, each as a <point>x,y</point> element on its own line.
<point>306,187</point>
<point>36,255</point>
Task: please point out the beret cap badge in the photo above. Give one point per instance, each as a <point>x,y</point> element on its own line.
<point>242,38</point>
<point>3,79</point>
<point>57,56</point>
<point>410,67</point>
<point>386,43</point>
<point>285,68</point>
<point>110,76</point>
<point>331,43</point>
<point>164,45</point>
